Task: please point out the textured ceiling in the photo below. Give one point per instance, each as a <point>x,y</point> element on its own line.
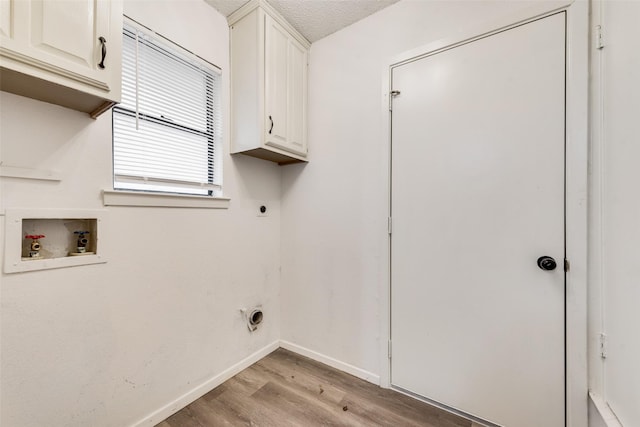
<point>315,19</point>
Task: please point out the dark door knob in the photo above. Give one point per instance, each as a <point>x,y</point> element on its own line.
<point>547,263</point>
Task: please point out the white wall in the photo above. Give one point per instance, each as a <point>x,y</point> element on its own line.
<point>107,345</point>
<point>334,210</point>
<point>615,211</point>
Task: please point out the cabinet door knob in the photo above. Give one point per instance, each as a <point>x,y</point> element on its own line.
<point>271,128</point>
<point>103,42</point>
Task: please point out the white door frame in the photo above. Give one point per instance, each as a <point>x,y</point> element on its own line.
<point>576,188</point>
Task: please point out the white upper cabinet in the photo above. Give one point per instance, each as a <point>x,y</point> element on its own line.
<point>63,52</point>
<point>268,85</point>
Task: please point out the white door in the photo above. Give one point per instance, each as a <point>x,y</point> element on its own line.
<point>477,198</point>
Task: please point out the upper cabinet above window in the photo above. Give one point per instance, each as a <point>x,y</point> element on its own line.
<point>63,52</point>
<point>268,85</point>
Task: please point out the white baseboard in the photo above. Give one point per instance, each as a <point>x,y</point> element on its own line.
<point>600,413</point>
<point>334,363</point>
<point>199,391</point>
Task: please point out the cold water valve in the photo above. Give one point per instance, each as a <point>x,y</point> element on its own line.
<point>82,242</point>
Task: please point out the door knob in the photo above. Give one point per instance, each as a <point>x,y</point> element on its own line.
<point>547,263</point>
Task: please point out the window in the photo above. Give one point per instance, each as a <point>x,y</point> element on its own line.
<point>166,131</point>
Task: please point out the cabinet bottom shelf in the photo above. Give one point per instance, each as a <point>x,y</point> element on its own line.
<point>272,156</point>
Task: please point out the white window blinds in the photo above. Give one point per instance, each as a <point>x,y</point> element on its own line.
<point>166,131</point>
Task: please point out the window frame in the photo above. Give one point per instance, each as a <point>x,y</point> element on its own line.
<point>213,134</point>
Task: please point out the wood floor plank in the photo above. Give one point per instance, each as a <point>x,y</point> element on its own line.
<point>362,410</point>
<point>297,407</point>
<point>213,413</point>
<point>316,387</point>
<point>251,411</point>
<point>285,389</point>
<point>357,389</point>
<point>183,418</point>
<point>375,415</point>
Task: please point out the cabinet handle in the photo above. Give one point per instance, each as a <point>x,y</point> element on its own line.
<point>271,128</point>
<point>103,42</point>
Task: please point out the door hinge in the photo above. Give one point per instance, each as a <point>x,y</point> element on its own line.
<point>389,349</point>
<point>599,37</point>
<point>603,345</point>
<point>389,225</point>
<point>567,266</point>
<point>392,95</point>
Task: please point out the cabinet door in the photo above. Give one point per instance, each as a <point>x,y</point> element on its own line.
<point>62,37</point>
<point>276,70</point>
<point>297,98</point>
<point>67,34</point>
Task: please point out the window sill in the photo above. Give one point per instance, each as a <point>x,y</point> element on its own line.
<point>135,198</point>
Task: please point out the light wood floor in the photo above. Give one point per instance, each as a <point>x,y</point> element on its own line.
<point>286,389</point>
